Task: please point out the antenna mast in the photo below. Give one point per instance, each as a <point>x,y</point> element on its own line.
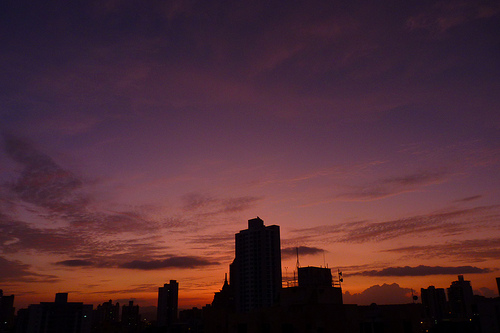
<point>298,264</point>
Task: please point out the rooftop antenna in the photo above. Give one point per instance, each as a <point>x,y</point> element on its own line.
<point>413,296</point>
<point>298,264</point>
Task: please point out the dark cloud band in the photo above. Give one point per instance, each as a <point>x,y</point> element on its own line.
<point>423,271</point>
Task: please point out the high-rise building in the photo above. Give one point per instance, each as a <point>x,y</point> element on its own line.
<point>255,273</point>
<point>7,311</point>
<point>107,312</point>
<point>59,316</point>
<point>460,298</point>
<point>434,303</point>
<point>168,296</point>
<point>131,319</point>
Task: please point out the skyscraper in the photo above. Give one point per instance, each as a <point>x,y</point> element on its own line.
<point>168,296</point>
<point>460,298</point>
<point>434,303</point>
<point>59,316</point>
<point>255,273</point>
<point>131,319</point>
<point>7,311</point>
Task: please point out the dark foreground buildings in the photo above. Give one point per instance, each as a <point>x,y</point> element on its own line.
<point>7,312</point>
<point>252,302</point>
<point>54,317</point>
<point>462,312</point>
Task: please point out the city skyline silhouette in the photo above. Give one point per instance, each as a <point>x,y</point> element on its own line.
<point>138,137</point>
<point>256,298</point>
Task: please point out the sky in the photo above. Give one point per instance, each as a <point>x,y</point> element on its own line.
<point>137,137</point>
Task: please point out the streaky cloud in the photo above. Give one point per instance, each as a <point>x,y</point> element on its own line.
<point>450,222</point>
<point>208,205</point>
<point>75,263</point>
<point>15,271</point>
<point>43,182</point>
<point>471,198</point>
<point>172,262</point>
<point>423,271</point>
<point>289,252</point>
<point>58,193</point>
<point>475,250</point>
<point>393,186</point>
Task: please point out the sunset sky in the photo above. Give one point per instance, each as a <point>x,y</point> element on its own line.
<point>137,137</point>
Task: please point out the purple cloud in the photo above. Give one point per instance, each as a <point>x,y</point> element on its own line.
<point>448,222</point>
<point>289,252</point>
<point>42,181</point>
<point>476,250</point>
<point>75,263</point>
<point>423,271</point>
<point>471,198</point>
<point>15,271</point>
<point>208,205</point>
<point>393,186</point>
<point>172,262</point>
<point>384,294</point>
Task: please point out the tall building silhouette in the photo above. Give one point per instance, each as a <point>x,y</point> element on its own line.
<point>59,316</point>
<point>131,319</point>
<point>255,273</point>
<point>434,303</point>
<point>460,298</point>
<point>7,311</point>
<point>168,296</point>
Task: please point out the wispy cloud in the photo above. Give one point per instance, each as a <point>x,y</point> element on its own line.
<point>57,193</point>
<point>443,15</point>
<point>449,222</point>
<point>75,263</point>
<point>392,186</point>
<point>208,205</point>
<point>468,199</point>
<point>21,236</point>
<point>133,289</point>
<point>475,250</point>
<point>15,271</point>
<point>43,182</point>
<point>423,271</point>
<point>172,262</point>
<point>138,261</point>
<point>289,252</point>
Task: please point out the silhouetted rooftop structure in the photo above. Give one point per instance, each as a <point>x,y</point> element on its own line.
<point>7,312</point>
<point>59,316</point>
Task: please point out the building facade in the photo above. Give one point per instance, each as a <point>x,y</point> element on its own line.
<point>460,298</point>
<point>58,316</point>
<point>168,297</point>
<point>255,273</point>
<point>7,311</point>
<point>434,303</point>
